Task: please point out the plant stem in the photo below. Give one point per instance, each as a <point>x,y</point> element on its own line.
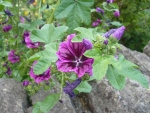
<point>40,3</point>
<point>61,87</point>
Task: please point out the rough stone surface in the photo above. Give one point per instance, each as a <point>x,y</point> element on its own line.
<point>146,49</point>
<point>65,107</point>
<point>13,98</point>
<point>140,59</point>
<point>132,99</point>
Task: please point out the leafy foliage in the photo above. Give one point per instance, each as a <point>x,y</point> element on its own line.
<point>46,104</point>
<point>76,12</point>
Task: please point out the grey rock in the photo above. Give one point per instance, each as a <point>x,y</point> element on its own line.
<point>65,107</point>
<point>13,98</point>
<point>146,49</point>
<point>140,59</point>
<point>132,99</point>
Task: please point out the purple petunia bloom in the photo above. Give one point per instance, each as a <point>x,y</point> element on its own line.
<point>116,33</point>
<point>25,83</point>
<point>99,10</point>
<point>12,57</point>
<point>109,1</point>
<point>42,77</point>
<point>7,28</point>
<point>7,12</point>
<point>28,41</point>
<point>71,58</point>
<point>105,42</point>
<point>117,13</point>
<point>68,89</point>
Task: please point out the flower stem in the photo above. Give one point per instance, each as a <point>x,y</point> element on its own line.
<point>61,87</point>
<point>40,3</point>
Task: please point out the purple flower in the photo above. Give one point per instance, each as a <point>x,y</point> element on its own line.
<point>22,19</point>
<point>68,89</point>
<point>87,44</point>
<point>8,72</point>
<point>71,58</point>
<point>117,13</point>
<point>7,12</point>
<point>94,24</point>
<point>42,77</point>
<point>116,33</point>
<point>107,34</point>
<point>28,41</point>
<point>100,10</point>
<point>109,1</point>
<point>7,28</point>
<point>105,42</point>
<point>25,83</point>
<point>12,57</point>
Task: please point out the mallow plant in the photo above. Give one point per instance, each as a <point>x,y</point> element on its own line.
<point>67,47</point>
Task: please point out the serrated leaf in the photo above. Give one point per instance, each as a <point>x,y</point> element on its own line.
<point>135,75</point>
<point>46,104</point>
<point>75,12</point>
<point>48,33</point>
<point>84,86</point>
<point>115,78</point>
<point>128,70</point>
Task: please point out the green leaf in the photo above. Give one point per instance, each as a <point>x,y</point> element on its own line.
<point>46,57</point>
<point>32,25</point>
<point>93,53</point>
<point>75,12</point>
<point>6,4</point>
<point>84,86</point>
<point>46,104</point>
<point>115,78</point>
<point>100,67</point>
<point>136,75</point>
<point>115,23</point>
<point>48,33</point>
<point>83,33</point>
<point>128,70</point>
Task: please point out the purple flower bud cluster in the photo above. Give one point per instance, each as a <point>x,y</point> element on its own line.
<point>7,28</point>
<point>28,41</point>
<point>7,12</point>
<point>99,10</point>
<point>8,72</point>
<point>12,57</point>
<point>96,23</point>
<point>115,33</point>
<point>117,13</point>
<point>25,83</point>
<point>109,1</point>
